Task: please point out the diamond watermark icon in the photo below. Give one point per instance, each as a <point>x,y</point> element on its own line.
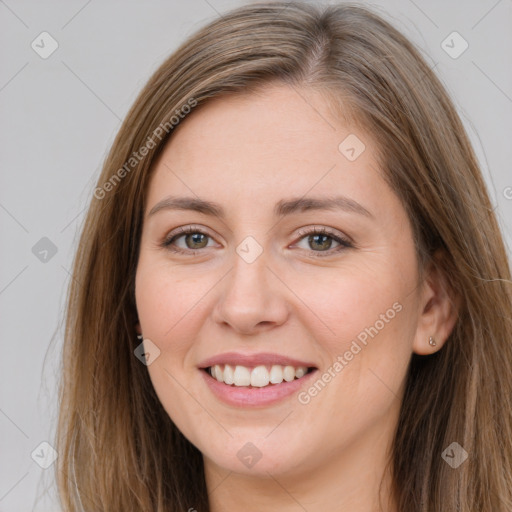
<point>249,249</point>
<point>249,455</point>
<point>44,455</point>
<point>44,250</point>
<point>146,352</point>
<point>44,45</point>
<point>454,45</point>
<point>351,147</point>
<point>454,455</point>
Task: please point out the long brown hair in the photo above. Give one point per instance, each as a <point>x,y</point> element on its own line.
<point>118,448</point>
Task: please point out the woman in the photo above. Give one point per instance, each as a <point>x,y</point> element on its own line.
<point>291,291</point>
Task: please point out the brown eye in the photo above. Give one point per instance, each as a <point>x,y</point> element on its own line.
<point>319,241</point>
<point>322,242</point>
<point>194,240</point>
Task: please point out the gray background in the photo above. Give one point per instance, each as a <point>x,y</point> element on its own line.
<point>58,118</point>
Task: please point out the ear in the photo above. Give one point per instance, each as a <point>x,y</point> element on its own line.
<point>138,330</point>
<point>439,307</point>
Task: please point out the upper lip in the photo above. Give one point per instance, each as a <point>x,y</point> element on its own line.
<point>263,358</point>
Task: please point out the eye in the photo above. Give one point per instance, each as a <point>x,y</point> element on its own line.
<point>320,241</point>
<point>193,238</point>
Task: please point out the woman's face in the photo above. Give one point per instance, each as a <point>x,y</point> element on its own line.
<point>251,285</point>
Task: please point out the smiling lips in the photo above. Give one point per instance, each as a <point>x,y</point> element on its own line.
<point>255,381</point>
<point>256,370</point>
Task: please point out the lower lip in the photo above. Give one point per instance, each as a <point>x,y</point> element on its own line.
<point>241,396</point>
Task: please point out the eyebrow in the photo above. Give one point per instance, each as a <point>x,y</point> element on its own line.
<point>281,209</point>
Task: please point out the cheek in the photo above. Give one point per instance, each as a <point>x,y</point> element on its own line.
<point>367,323</point>
<point>348,304</point>
<point>166,303</point>
<point>167,307</point>
<point>364,323</point>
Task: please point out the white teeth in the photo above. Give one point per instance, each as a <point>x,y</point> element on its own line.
<point>217,373</point>
<point>229,374</point>
<point>289,373</point>
<point>276,374</point>
<point>300,372</point>
<point>258,377</point>
<point>242,376</point>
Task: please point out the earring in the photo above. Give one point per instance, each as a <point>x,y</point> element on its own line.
<point>139,337</point>
<point>432,342</point>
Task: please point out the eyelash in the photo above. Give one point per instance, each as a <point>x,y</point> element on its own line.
<point>344,242</point>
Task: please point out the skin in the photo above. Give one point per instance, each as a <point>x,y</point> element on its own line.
<point>248,152</point>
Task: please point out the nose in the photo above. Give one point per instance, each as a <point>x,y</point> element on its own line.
<point>252,298</point>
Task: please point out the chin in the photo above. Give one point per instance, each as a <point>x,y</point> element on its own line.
<point>257,458</point>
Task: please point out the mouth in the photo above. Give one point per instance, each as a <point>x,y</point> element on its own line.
<point>261,376</point>
<point>256,380</point>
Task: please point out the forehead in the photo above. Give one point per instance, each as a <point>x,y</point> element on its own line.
<point>283,123</point>
<point>277,142</point>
